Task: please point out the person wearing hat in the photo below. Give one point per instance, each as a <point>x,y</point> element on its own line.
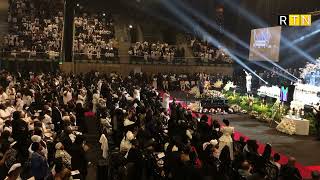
<point>38,139</point>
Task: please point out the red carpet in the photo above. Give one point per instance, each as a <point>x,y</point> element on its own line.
<point>304,170</point>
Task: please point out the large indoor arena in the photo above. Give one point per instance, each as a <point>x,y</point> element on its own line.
<point>159,90</point>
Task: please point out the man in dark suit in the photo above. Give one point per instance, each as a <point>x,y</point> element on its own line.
<point>56,118</point>
<point>20,134</point>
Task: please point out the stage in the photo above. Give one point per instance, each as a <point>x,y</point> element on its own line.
<point>303,148</point>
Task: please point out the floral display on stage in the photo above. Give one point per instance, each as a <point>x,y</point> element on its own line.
<point>218,84</point>
<point>194,106</point>
<point>195,91</point>
<point>257,108</point>
<point>288,127</point>
<point>229,86</point>
<point>206,94</point>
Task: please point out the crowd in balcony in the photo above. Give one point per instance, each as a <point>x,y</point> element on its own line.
<point>34,31</point>
<point>94,37</point>
<point>207,53</point>
<point>156,52</point>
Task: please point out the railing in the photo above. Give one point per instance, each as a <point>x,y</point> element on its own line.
<point>29,56</point>
<point>178,61</point>
<point>82,58</point>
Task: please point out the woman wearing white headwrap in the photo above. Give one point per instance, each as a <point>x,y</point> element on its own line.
<point>38,139</point>
<point>125,144</point>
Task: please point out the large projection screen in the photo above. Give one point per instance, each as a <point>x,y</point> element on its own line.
<point>265,44</point>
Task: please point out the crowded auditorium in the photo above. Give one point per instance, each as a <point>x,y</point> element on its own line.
<point>159,90</point>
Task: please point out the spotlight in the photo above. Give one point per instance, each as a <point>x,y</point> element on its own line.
<point>104,14</point>
<point>130,26</point>
<point>78,4</point>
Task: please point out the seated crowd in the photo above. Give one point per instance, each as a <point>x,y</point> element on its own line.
<point>43,117</point>
<point>184,82</point>
<point>94,38</point>
<point>156,52</point>
<point>207,53</point>
<point>34,32</point>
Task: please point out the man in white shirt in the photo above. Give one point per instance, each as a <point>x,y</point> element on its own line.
<point>67,96</point>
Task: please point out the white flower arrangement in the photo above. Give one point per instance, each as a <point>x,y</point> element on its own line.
<point>213,94</point>
<point>288,127</point>
<point>207,94</point>
<point>254,114</point>
<point>229,85</point>
<point>194,107</point>
<point>195,91</point>
<point>235,108</point>
<point>218,84</point>
<point>244,112</point>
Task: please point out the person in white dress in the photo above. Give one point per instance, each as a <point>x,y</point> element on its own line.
<point>166,100</point>
<point>136,93</point>
<point>95,100</point>
<point>82,97</point>
<point>248,81</point>
<point>154,83</point>
<point>226,138</point>
<point>67,96</point>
